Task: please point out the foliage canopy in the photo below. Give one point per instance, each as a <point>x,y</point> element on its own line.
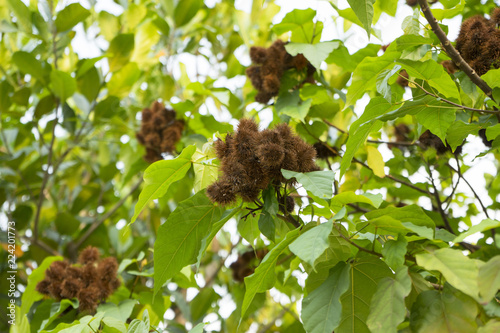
<point>371,235</point>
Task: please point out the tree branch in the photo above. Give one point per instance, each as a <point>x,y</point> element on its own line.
<point>73,247</point>
<point>451,51</point>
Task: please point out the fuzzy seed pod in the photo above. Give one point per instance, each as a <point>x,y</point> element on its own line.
<point>89,255</point>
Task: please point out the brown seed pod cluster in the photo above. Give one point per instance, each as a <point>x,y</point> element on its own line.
<point>479,42</point>
<point>160,131</point>
<point>251,159</point>
<point>270,64</point>
<point>91,282</point>
<point>427,139</point>
<point>245,264</point>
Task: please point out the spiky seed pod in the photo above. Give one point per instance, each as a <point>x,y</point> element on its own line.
<point>495,17</point>
<point>70,288</point>
<point>258,54</point>
<point>270,155</point>
<point>286,204</point>
<point>221,192</point>
<point>89,255</point>
<point>322,151</point>
<point>160,131</point>
<point>412,3</point>
<point>88,299</point>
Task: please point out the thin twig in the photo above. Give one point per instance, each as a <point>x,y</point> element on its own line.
<point>451,51</point>
<point>73,247</point>
<point>46,176</point>
<point>463,107</point>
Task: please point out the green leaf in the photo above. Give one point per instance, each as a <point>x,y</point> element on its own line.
<point>492,78</point>
<point>387,309</point>
<point>264,276</point>
<point>120,50</point>
<point>300,23</point>
<point>365,76</point>
<point>410,217</point>
<point>30,295</point>
<point>146,37</point>
<point>180,237</point>
<point>375,161</point>
<point>318,183</point>
<point>364,11</point>
<point>459,131</point>
<point>122,81</point>
<point>492,326</point>
<point>446,311</point>
<point>484,225</point>
<point>394,252</point>
<point>27,63</point>
<point>63,84</point>
<point>489,279</point>
<point>348,197</point>
<point>354,142</point>
<point>70,16</point>
<point>121,311</point>
<point>321,309</point>
<point>315,53</point>
<point>458,270</point>
<point>492,132</point>
<point>365,275</point>
<point>382,84</point>
<point>205,171</point>
<point>441,14</point>
<point>22,13</point>
<point>186,10</point>
<point>437,119</point>
<point>292,105</point>
<point>408,42</point>
<point>137,326</point>
<point>160,175</point>
<point>313,243</point>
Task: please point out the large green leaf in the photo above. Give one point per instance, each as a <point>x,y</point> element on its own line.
<point>205,171</point>
<point>120,50</point>
<point>30,295</point>
<point>446,311</point>
<point>186,10</point>
<point>344,198</point>
<point>394,252</point>
<point>28,64</point>
<point>311,244</point>
<point>146,37</point>
<point>70,16</point>
<point>458,270</point>
<point>437,119</point>
<point>489,279</point>
<point>122,81</point>
<point>180,237</point>
<point>63,84</point>
<point>484,225</point>
<point>492,326</point>
<point>365,275</point>
<point>160,175</point>
<point>318,183</point>
<point>22,13</point>
<point>365,76</point>
<point>459,131</point>
<point>411,217</point>
<point>300,23</point>
<point>364,11</point>
<point>321,309</point>
<point>264,276</point>
<point>315,53</point>
<point>355,141</point>
<point>387,309</point>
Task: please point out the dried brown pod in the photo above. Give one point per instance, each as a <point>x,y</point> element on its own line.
<point>269,66</point>
<point>250,160</point>
<point>160,131</point>
<point>91,283</point>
